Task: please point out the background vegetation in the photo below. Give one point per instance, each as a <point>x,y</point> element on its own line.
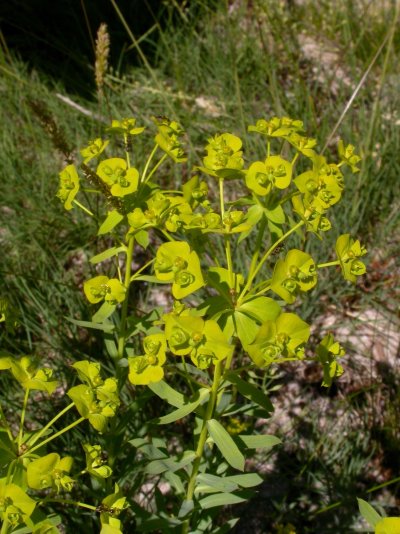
<point>218,66</point>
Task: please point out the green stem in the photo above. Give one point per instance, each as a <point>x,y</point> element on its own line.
<point>21,424</point>
<point>221,197</point>
<point>4,424</point>
<point>156,167</point>
<point>124,311</point>
<point>4,527</point>
<point>264,259</point>
<point>202,440</point>
<point>74,503</point>
<point>83,207</point>
<point>56,435</point>
<point>328,264</point>
<point>49,424</point>
<point>142,269</point>
<point>128,159</point>
<point>257,247</point>
<point>146,167</point>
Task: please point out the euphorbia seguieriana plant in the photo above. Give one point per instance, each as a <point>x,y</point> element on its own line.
<point>233,269</point>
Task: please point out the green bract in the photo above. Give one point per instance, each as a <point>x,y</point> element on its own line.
<point>125,126</point>
<point>111,507</point>
<point>28,375</point>
<point>348,251</point>
<point>103,288</point>
<point>203,341</point>
<point>176,263</point>
<point>388,525</point>
<point>15,505</point>
<point>277,127</point>
<point>98,400</point>
<point>95,462</point>
<point>297,272</point>
<point>167,138</point>
<point>94,149</point>
<point>224,156</point>
<point>304,145</point>
<point>279,340</point>
<point>312,216</point>
<point>148,368</point>
<point>69,186</point>
<point>263,177</point>
<point>348,156</point>
<point>322,187</point>
<point>50,471</point>
<point>115,173</point>
<point>328,351</point>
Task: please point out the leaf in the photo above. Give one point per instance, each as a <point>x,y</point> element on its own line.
<point>262,441</point>
<point>246,327</point>
<point>225,444</point>
<point>227,527</point>
<point>261,308</point>
<point>206,483</point>
<point>147,278</point>
<point>111,346</point>
<point>106,327</point>
<point>149,449</point>
<point>184,410</point>
<point>109,253</point>
<point>248,480</point>
<point>166,392</point>
<point>142,237</point>
<point>220,499</point>
<point>104,312</point>
<point>249,391</point>
<point>368,513</point>
<point>169,464</point>
<point>186,508</point>
<point>113,218</point>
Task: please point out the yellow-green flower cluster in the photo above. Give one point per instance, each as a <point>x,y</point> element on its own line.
<point>103,288</point>
<point>177,264</point>
<point>148,368</point>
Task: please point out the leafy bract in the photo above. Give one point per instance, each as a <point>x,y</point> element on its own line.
<point>279,340</point>
<point>296,273</point>
<point>50,471</point>
<point>349,251</point>
<point>69,186</point>
<point>177,264</point>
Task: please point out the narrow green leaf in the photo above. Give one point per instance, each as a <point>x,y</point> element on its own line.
<point>169,464</point>
<point>106,327</point>
<point>226,445</point>
<point>206,483</point>
<point>147,278</point>
<point>248,480</point>
<point>186,508</point>
<point>109,253</point>
<point>111,346</point>
<point>368,512</point>
<point>149,449</point>
<point>113,218</point>
<point>175,482</point>
<point>220,499</point>
<point>104,312</point>
<point>226,527</point>
<point>262,441</point>
<point>249,391</point>
<point>167,393</point>
<point>184,410</point>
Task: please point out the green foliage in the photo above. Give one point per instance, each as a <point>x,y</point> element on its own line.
<point>216,310</point>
